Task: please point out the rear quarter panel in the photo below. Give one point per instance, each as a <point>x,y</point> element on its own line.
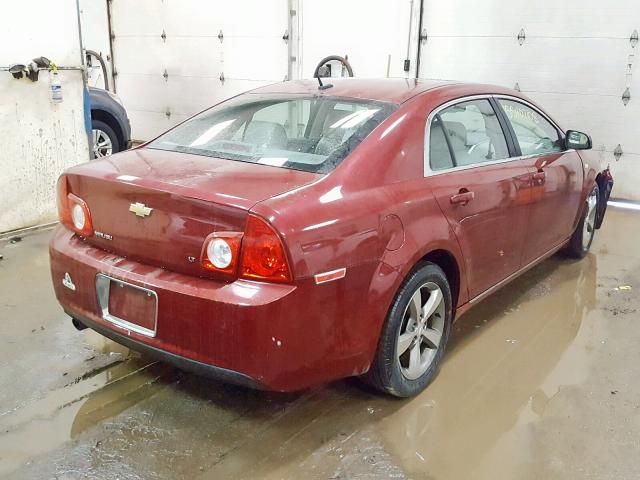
<point>373,216</point>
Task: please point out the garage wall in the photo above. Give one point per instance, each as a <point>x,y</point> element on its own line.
<point>574,57</point>
<point>38,139</point>
<point>171,63</point>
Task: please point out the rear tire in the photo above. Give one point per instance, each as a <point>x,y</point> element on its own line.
<point>413,339</point>
<point>582,237</point>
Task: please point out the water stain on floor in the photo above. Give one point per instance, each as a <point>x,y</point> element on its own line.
<point>539,381</point>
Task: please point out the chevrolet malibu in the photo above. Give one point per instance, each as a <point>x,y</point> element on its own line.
<point>294,234</point>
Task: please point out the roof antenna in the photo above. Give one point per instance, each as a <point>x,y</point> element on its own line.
<point>321,85</point>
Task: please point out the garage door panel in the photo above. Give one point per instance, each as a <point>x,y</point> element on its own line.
<point>254,18</point>
<point>469,62</point>
<point>180,95</point>
<point>624,172</point>
<point>557,68</point>
<point>606,119</point>
<point>263,60</point>
<point>182,99</point>
<point>368,60</point>
<point>193,18</point>
<point>541,65</point>
<point>140,55</point>
<point>360,31</point>
<point>192,95</point>
<point>152,124</point>
<point>142,18</point>
<point>192,55</point>
<point>196,18</point>
<point>200,18</point>
<point>142,92</point>
<point>506,18</point>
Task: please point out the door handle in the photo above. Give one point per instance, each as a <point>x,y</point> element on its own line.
<point>539,177</point>
<point>462,198</point>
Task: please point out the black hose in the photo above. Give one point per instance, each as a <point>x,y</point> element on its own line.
<point>337,58</point>
<point>93,53</point>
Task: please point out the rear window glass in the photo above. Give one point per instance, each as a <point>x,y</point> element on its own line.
<point>313,134</point>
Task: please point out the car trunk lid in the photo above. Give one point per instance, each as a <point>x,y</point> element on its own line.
<point>157,207</point>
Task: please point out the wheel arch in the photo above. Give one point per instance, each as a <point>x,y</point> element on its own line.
<point>449,259</point>
<point>449,265</point>
<point>112,121</point>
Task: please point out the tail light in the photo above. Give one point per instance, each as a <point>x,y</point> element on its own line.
<point>221,251</point>
<point>73,211</point>
<point>256,254</point>
<point>263,254</point>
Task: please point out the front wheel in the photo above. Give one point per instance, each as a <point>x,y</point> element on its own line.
<point>582,238</point>
<point>105,140</point>
<point>414,335</point>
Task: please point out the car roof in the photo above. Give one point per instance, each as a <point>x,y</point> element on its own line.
<point>394,90</point>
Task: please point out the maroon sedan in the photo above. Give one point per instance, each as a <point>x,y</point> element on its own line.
<point>294,235</point>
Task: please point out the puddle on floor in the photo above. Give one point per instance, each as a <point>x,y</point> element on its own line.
<point>526,391</point>
<point>63,414</point>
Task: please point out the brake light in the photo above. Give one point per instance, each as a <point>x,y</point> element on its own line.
<point>73,211</point>
<point>221,251</point>
<point>63,210</point>
<point>263,254</point>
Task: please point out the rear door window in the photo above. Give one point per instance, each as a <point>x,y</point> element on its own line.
<point>439,153</point>
<point>473,133</point>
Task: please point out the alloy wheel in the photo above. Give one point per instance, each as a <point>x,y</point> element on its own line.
<point>102,145</point>
<point>421,331</point>
<point>589,219</point>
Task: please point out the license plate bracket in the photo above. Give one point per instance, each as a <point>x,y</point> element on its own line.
<point>126,305</point>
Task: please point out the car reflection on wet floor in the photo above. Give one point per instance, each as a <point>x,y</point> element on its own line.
<point>526,391</point>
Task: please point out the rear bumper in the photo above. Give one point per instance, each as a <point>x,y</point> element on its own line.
<point>203,369</point>
<point>268,336</point>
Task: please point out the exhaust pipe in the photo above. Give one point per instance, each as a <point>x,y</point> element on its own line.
<point>78,324</point>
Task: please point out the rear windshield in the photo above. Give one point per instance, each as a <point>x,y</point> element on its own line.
<point>313,134</point>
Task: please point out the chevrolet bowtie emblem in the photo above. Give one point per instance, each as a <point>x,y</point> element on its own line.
<point>140,209</point>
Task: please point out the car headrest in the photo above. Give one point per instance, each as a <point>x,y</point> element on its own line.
<point>266,134</point>
<point>456,130</point>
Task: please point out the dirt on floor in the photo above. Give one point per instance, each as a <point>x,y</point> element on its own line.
<point>541,380</point>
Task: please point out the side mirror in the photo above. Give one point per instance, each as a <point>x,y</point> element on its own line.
<point>577,140</point>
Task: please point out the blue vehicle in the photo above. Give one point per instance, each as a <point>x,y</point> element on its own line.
<point>109,123</point>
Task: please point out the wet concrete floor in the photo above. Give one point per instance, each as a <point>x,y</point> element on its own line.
<point>541,380</point>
